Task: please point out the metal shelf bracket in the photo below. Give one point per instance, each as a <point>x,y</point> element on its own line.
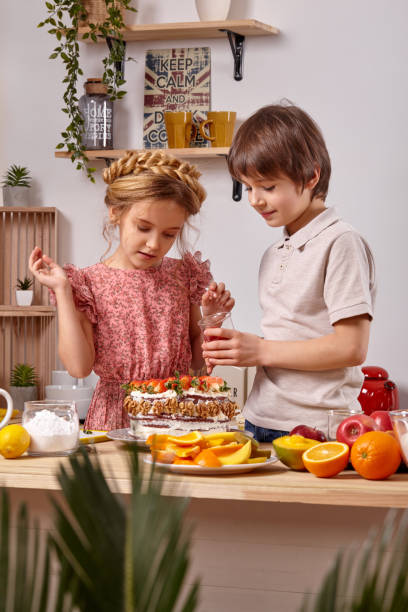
<point>237,47</point>
<point>236,188</point>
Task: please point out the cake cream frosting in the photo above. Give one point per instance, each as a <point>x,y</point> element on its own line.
<point>179,404</point>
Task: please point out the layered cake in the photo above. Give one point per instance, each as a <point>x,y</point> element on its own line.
<point>179,404</point>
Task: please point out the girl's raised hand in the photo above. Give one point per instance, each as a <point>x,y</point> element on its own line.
<point>216,299</point>
<point>46,271</point>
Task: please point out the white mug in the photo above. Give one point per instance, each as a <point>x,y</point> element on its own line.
<point>9,410</point>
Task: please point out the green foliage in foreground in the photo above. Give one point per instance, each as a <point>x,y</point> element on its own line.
<point>113,556</point>
<point>372,578</point>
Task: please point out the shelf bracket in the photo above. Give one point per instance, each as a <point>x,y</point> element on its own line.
<point>120,65</point>
<point>237,47</point>
<point>236,188</point>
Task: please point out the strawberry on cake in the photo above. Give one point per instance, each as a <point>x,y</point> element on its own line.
<point>179,404</point>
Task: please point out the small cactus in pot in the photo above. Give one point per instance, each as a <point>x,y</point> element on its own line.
<point>24,293</point>
<point>23,385</point>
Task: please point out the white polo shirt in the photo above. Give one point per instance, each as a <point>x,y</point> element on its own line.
<point>319,275</point>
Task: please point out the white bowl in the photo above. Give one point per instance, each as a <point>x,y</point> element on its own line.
<point>61,377</point>
<point>68,392</point>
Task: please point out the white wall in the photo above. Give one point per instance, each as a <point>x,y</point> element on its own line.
<point>344,61</point>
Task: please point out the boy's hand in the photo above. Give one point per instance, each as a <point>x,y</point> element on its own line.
<point>216,299</point>
<point>233,348</point>
<point>46,271</point>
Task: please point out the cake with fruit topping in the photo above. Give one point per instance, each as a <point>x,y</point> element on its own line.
<point>179,404</point>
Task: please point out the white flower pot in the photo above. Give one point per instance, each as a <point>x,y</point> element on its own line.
<point>16,196</point>
<point>23,394</point>
<point>24,298</point>
<point>212,10</point>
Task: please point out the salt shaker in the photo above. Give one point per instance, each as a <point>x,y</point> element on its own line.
<point>97,111</point>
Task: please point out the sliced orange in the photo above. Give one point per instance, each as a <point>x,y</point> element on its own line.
<point>207,459</point>
<point>326,459</point>
<point>156,439</point>
<point>195,437</point>
<point>187,451</point>
<point>163,456</point>
<point>180,461</point>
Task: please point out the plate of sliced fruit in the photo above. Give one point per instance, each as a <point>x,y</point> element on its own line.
<point>213,453</point>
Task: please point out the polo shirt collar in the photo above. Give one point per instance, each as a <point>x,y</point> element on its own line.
<point>309,231</point>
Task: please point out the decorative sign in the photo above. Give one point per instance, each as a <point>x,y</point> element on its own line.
<point>175,80</point>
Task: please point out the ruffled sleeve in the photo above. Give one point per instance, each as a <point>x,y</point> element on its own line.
<point>200,275</point>
<point>81,291</point>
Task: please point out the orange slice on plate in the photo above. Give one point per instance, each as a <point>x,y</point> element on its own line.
<point>207,459</point>
<point>326,459</point>
<point>190,439</point>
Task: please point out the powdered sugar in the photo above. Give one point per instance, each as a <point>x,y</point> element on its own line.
<point>50,432</point>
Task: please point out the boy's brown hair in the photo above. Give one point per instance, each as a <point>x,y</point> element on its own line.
<point>281,140</point>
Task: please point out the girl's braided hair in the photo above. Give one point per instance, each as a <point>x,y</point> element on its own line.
<point>147,176</point>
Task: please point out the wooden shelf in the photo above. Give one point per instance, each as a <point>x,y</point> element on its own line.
<point>27,311</point>
<point>28,209</point>
<point>192,29</point>
<point>191,153</point>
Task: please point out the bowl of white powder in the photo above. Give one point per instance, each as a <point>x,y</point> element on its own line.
<point>53,427</point>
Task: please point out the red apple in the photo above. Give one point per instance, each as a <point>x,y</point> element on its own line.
<point>353,427</point>
<point>308,432</point>
<point>382,418</point>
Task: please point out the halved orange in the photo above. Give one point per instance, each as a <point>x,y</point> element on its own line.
<point>194,437</point>
<point>326,459</point>
<point>207,459</point>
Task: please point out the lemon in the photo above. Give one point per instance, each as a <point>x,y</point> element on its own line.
<point>14,441</point>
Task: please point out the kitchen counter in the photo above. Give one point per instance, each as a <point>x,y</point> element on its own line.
<point>274,483</point>
<point>262,539</point>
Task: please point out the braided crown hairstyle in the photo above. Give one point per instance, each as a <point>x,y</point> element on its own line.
<point>150,175</point>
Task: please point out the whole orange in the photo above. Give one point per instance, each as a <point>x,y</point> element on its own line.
<point>375,455</point>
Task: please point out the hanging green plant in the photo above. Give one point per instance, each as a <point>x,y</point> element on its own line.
<point>64,18</point>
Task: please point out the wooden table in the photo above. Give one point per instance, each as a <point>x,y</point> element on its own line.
<point>263,538</point>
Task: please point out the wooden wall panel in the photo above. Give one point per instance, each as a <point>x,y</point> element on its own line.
<point>26,334</point>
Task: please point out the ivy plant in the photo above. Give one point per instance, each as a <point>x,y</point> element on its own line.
<point>64,17</point>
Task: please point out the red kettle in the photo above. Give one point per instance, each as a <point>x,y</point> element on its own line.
<point>378,391</point>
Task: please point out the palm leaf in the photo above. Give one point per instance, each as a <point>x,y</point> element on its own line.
<point>372,578</point>
<point>113,556</point>
<point>24,563</point>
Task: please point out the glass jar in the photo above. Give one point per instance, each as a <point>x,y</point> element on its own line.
<point>335,417</point>
<point>53,427</point>
<point>97,111</point>
<point>218,319</point>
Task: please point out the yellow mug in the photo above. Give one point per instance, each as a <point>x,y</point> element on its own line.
<point>179,128</point>
<point>221,127</point>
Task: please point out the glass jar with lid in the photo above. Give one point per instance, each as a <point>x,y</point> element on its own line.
<point>97,111</point>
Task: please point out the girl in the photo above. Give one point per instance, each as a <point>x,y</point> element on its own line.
<point>316,285</point>
<point>134,315</point>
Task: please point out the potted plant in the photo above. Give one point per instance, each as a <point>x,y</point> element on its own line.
<point>64,18</point>
<point>16,186</point>
<point>113,556</point>
<point>24,293</point>
<point>23,385</point>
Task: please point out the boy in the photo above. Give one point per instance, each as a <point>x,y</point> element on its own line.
<point>316,285</point>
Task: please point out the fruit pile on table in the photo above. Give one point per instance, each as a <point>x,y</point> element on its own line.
<point>206,450</point>
<point>367,442</point>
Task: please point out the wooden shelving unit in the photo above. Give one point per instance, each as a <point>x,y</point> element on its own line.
<point>192,29</point>
<point>191,153</point>
<point>27,333</point>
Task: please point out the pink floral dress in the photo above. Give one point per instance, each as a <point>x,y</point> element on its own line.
<point>140,324</point>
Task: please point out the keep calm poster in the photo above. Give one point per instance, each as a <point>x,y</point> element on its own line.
<point>175,80</point>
